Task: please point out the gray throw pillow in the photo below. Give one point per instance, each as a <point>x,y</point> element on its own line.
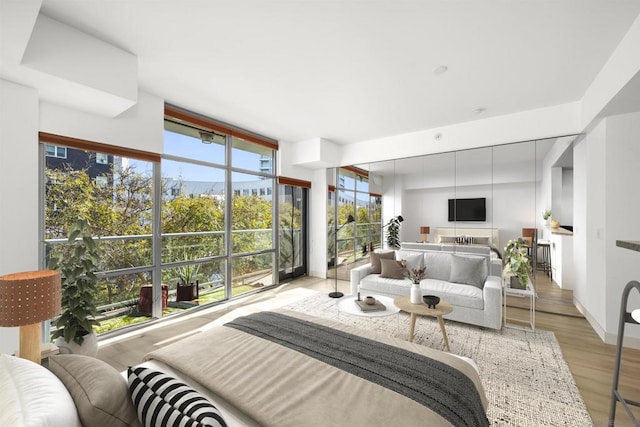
<point>100,393</point>
<point>438,265</point>
<point>392,269</point>
<point>468,270</point>
<point>375,258</point>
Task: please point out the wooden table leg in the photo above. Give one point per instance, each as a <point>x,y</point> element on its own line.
<point>412,326</point>
<point>444,332</point>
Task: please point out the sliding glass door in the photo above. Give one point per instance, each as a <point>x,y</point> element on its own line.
<point>293,236</point>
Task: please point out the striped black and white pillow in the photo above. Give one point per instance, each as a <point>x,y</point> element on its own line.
<point>161,400</point>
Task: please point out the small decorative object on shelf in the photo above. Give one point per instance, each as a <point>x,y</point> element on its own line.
<point>546,215</point>
<point>431,300</point>
<point>369,300</point>
<point>358,299</point>
<point>555,224</point>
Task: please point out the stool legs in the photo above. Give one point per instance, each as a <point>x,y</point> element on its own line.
<point>546,259</point>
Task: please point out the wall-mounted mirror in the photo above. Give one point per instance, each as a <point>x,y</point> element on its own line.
<point>490,192</point>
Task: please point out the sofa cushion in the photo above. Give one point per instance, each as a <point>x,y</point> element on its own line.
<point>375,257</point>
<point>375,284</point>
<point>438,265</point>
<point>413,259</point>
<point>392,269</point>
<point>469,270</point>
<point>454,293</point>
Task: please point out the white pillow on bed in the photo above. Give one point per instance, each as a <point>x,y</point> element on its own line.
<point>33,396</point>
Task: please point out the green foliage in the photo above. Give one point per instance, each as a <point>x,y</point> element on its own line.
<point>516,260</point>
<point>393,233</point>
<point>77,263</point>
<point>546,214</point>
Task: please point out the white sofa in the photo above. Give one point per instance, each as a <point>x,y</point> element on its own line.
<point>479,304</point>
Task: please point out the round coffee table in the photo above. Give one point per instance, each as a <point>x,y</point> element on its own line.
<point>443,307</point>
<point>348,305</point>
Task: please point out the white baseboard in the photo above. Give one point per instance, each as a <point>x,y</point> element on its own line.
<point>606,337</point>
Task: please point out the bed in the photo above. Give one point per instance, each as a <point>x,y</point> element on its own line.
<point>283,368</point>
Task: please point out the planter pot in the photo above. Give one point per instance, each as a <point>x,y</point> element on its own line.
<point>89,346</point>
<point>186,292</point>
<point>416,294</point>
<point>515,283</point>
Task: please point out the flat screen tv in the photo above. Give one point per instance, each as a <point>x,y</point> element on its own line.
<point>468,209</point>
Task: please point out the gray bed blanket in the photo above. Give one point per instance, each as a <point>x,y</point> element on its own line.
<point>436,385</point>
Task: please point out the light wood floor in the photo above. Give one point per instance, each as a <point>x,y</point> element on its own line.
<point>590,360</point>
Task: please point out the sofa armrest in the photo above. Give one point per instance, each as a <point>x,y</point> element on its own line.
<point>357,274</point>
<point>492,293</point>
<point>495,267</point>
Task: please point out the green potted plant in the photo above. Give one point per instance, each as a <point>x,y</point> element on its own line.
<point>546,215</point>
<point>187,286</point>
<point>393,232</point>
<point>517,265</point>
<point>77,263</point>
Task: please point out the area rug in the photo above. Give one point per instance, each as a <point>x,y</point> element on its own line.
<point>525,376</point>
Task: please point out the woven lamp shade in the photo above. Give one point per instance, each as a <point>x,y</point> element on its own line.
<point>30,297</point>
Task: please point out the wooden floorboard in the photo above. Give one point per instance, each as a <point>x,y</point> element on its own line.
<point>590,360</point>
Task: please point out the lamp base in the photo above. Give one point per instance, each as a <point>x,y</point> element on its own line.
<point>336,294</point>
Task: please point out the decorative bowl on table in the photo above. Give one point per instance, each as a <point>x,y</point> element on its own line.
<point>369,300</point>
<point>431,300</point>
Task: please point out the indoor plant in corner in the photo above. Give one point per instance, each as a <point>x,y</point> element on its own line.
<point>77,264</point>
<point>517,265</point>
<point>393,232</point>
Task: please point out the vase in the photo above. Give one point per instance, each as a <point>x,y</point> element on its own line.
<point>89,346</point>
<point>416,294</point>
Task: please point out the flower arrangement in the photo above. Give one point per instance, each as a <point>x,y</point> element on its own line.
<point>414,274</point>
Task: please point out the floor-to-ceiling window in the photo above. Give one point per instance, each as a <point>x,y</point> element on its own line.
<point>200,217</point>
<point>113,192</point>
<point>292,234</point>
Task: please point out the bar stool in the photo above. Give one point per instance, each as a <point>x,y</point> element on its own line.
<point>531,236</point>
<point>545,265</point>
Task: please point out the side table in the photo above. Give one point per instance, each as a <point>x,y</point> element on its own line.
<point>523,293</point>
<point>443,307</point>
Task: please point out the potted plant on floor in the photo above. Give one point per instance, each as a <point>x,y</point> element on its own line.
<point>77,264</point>
<point>517,265</point>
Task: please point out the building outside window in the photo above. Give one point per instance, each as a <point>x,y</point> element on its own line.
<point>102,158</point>
<point>55,151</point>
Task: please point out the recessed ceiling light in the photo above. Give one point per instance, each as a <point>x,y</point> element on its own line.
<point>440,70</point>
<point>479,110</point>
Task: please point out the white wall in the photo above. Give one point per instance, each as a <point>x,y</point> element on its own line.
<point>567,197</point>
<point>623,216</point>
<point>19,192</point>
<point>141,127</point>
<point>606,205</point>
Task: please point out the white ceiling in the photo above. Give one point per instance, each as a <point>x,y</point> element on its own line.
<point>350,71</point>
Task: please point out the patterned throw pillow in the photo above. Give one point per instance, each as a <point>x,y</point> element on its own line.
<point>161,400</point>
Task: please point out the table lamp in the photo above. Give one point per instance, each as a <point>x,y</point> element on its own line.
<point>424,230</point>
<point>26,300</point>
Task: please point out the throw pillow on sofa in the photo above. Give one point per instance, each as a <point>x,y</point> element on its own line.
<point>392,269</point>
<point>375,257</point>
<point>468,270</point>
<point>411,259</point>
